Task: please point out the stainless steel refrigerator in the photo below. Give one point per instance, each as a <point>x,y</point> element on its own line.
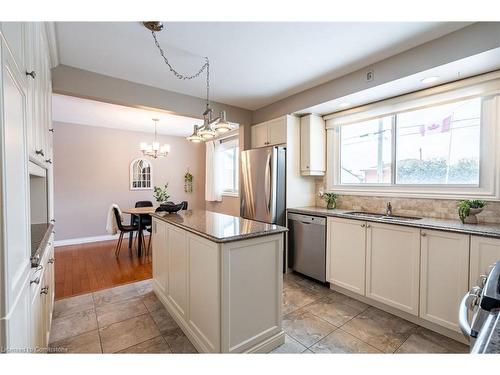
<point>262,190</point>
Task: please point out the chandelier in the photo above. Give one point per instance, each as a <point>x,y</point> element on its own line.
<point>154,149</point>
<point>211,126</point>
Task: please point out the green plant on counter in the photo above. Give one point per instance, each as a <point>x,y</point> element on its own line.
<point>161,193</point>
<point>465,206</point>
<point>330,198</point>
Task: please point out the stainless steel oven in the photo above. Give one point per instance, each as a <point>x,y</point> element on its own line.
<point>479,306</point>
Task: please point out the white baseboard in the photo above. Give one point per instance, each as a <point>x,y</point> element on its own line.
<point>77,241</point>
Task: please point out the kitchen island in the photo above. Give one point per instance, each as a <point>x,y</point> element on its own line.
<point>220,277</point>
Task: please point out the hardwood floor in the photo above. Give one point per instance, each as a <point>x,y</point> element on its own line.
<point>89,267</point>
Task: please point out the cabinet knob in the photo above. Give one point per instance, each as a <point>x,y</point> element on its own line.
<point>368,226</point>
<point>48,161</point>
<point>32,74</point>
<point>51,260</point>
<point>423,234</point>
<point>363,225</point>
<point>51,130</point>
<point>52,220</point>
<point>39,152</point>
<point>36,281</point>
<point>44,290</point>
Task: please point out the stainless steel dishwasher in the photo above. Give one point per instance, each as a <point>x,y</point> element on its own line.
<point>307,245</point>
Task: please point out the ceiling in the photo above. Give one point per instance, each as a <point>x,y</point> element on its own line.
<point>74,110</point>
<point>253,64</point>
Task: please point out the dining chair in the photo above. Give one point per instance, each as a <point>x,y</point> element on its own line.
<point>123,229</point>
<point>134,219</point>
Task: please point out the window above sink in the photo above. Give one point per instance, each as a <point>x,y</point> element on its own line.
<point>439,142</point>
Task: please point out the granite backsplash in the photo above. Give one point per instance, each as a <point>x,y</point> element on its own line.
<point>432,208</point>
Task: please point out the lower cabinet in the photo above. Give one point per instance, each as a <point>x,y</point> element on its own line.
<point>346,254</point>
<point>160,255</point>
<point>226,297</point>
<point>444,276</point>
<point>204,295</point>
<point>177,269</point>
<point>484,252</point>
<point>393,265</point>
<point>42,300</point>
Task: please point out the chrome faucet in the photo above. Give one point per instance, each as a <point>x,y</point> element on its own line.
<point>388,210</point>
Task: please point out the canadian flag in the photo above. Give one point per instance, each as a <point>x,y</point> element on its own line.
<point>442,126</point>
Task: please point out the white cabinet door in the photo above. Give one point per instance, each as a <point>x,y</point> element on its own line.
<point>15,248</point>
<point>177,269</point>
<point>444,276</point>
<point>204,291</point>
<point>346,254</point>
<point>277,131</point>
<point>15,33</point>
<point>484,252</point>
<point>312,146</point>
<point>393,265</point>
<point>260,135</point>
<point>159,246</point>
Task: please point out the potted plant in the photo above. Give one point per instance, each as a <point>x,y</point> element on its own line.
<point>161,193</point>
<point>468,209</point>
<point>330,198</point>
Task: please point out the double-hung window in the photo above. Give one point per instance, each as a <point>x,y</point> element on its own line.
<point>229,156</point>
<point>436,145</point>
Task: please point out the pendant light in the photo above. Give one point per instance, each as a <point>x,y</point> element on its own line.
<point>195,137</point>
<point>154,149</point>
<point>211,127</point>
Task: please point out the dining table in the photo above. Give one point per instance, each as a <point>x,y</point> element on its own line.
<point>140,212</point>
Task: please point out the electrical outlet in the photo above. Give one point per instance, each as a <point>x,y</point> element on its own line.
<point>369,75</point>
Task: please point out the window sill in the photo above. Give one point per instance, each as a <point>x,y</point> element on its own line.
<point>233,194</point>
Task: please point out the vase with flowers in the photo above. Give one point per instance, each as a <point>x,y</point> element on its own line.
<point>330,198</point>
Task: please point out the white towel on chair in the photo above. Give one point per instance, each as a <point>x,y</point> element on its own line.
<point>111,224</point>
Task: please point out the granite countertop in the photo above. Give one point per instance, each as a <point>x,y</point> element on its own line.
<point>218,227</point>
<point>487,230</point>
<point>40,234</point>
<point>488,341</point>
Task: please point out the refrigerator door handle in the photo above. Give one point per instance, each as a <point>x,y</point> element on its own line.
<point>267,183</point>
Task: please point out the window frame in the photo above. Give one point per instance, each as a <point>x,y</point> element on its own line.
<point>489,181</point>
<point>223,146</point>
<point>131,175</point>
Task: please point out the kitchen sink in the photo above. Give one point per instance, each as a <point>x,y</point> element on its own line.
<point>382,216</point>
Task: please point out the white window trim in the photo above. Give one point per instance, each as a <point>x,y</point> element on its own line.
<point>131,175</point>
<point>222,147</point>
<point>486,86</point>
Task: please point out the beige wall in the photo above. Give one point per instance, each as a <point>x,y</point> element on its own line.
<point>91,171</point>
<point>228,206</point>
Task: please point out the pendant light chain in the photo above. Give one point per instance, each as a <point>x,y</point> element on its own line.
<point>172,69</point>
<point>211,126</point>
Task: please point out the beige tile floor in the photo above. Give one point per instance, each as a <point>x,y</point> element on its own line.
<point>124,319</point>
<point>319,320</point>
<point>131,319</point>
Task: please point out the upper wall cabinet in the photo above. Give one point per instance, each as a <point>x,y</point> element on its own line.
<point>15,34</point>
<point>312,146</point>
<point>269,133</point>
<point>28,44</point>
